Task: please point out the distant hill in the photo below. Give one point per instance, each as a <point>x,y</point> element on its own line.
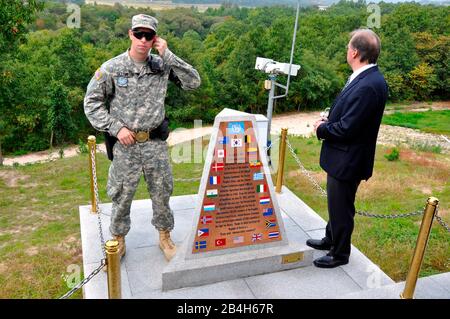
<point>258,3</point>
<point>255,3</point>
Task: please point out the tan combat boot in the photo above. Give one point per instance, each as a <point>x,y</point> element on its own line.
<point>166,244</point>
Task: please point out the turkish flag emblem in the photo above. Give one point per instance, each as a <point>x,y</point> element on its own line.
<point>220,242</point>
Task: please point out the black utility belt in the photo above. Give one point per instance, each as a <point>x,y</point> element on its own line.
<point>161,132</point>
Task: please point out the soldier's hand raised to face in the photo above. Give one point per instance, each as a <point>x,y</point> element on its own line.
<point>160,44</point>
<point>126,137</point>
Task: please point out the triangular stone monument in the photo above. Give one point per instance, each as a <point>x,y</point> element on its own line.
<point>238,229</point>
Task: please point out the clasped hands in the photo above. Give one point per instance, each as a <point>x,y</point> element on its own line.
<point>320,122</point>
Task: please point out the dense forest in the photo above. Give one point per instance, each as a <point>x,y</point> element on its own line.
<point>46,69</point>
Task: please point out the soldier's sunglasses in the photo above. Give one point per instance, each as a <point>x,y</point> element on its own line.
<point>148,35</point>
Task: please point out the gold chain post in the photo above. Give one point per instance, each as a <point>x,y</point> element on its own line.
<point>113,269</point>
<point>92,150</point>
<point>281,160</point>
<point>419,251</point>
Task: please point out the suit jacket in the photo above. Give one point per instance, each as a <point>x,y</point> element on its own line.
<point>350,135</point>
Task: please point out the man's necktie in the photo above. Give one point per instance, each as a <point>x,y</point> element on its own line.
<point>346,84</point>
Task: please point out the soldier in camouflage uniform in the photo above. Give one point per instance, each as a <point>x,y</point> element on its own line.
<point>133,86</point>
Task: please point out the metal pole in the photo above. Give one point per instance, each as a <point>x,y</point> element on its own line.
<point>421,245</point>
<point>92,157</point>
<point>292,53</point>
<point>113,269</point>
<point>272,79</point>
<point>281,160</point>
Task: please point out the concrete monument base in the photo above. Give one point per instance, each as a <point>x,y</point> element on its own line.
<point>144,266</point>
<point>181,272</point>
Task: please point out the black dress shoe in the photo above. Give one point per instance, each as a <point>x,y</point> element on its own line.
<point>329,262</point>
<point>320,244</point>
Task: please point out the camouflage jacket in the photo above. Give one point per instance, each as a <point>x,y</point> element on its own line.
<point>135,98</point>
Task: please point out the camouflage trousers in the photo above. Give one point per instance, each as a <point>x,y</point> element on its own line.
<point>152,159</point>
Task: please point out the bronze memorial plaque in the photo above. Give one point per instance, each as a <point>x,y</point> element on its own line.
<point>237,208</point>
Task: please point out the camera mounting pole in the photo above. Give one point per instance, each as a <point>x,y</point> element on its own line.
<point>272,80</point>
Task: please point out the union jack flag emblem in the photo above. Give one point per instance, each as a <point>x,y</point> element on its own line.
<point>256,237</point>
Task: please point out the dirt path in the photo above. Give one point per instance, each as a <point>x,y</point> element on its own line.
<point>175,137</point>
<point>297,124</point>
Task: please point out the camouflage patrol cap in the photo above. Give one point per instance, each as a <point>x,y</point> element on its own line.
<point>144,21</point>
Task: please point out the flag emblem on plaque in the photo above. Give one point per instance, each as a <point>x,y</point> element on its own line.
<point>218,167</point>
<point>255,164</point>
<point>223,140</point>
<point>200,244</point>
<point>256,237</point>
<point>236,142</point>
<point>209,207</point>
<point>252,152</point>
<point>206,219</point>
<point>268,212</point>
<point>262,188</point>
<point>203,232</point>
<point>270,223</point>
<point>214,180</point>
<point>220,242</point>
<point>274,234</point>
<point>236,128</point>
<point>234,161</point>
<point>258,176</point>
<point>212,193</point>
<point>220,153</point>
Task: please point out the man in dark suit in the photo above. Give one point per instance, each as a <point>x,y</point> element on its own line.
<point>349,137</point>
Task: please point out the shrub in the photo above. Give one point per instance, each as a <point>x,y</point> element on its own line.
<point>82,147</point>
<point>394,155</point>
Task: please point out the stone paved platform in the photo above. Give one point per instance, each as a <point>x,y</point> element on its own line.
<point>144,263</point>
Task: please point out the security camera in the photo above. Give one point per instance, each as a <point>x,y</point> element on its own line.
<point>273,67</point>
<point>262,63</point>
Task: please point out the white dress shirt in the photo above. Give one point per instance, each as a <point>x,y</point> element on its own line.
<point>359,71</point>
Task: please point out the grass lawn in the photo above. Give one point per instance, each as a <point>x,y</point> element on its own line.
<point>39,222</point>
<point>396,187</point>
<point>437,122</point>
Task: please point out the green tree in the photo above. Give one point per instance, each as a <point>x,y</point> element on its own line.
<point>435,51</point>
<point>422,81</point>
<point>14,17</point>
<point>398,88</point>
<point>222,44</point>
<point>318,81</point>
<point>71,63</point>
<point>59,120</point>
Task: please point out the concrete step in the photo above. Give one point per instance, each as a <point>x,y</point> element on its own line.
<point>431,287</point>
<point>144,264</point>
